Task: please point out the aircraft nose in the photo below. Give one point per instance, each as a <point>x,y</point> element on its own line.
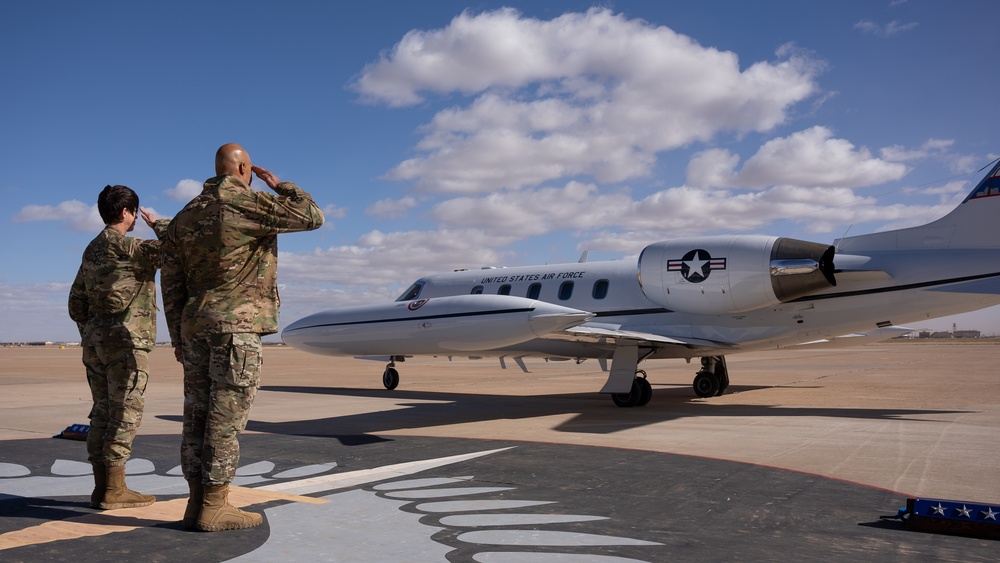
<point>290,332</point>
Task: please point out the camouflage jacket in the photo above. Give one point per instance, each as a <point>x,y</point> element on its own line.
<point>113,298</point>
<point>220,257</point>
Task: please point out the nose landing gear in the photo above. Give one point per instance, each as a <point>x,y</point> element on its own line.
<point>390,377</point>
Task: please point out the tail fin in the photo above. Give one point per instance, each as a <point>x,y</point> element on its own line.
<point>973,224</point>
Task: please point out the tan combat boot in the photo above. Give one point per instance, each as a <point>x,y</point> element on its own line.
<point>218,515</point>
<point>118,495</point>
<point>193,510</point>
<point>100,484</point>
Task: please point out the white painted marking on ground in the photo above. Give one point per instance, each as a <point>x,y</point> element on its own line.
<point>419,483</point>
<point>471,505</point>
<point>13,470</point>
<point>348,479</point>
<point>305,471</point>
<point>536,538</point>
<point>445,493</point>
<point>486,520</point>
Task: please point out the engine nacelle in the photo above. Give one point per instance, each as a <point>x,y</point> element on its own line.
<point>732,274</point>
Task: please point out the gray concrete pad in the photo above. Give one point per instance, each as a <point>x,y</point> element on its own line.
<point>468,462</point>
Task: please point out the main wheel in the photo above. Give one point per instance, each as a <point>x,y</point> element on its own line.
<point>390,378</point>
<point>723,374</point>
<point>630,399</point>
<point>723,385</point>
<point>706,384</point>
<point>646,391</point>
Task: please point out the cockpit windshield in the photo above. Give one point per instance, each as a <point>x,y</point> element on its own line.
<point>412,292</point>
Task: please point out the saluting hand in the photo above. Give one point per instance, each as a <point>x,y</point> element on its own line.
<point>147,216</point>
<point>269,178</point>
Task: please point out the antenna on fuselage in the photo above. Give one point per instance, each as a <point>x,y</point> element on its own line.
<point>843,236</point>
<point>584,256</point>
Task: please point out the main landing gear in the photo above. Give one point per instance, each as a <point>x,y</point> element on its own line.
<point>627,384</point>
<point>638,396</point>
<point>712,379</point>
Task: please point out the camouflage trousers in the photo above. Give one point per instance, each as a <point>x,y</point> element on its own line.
<point>117,376</point>
<point>221,376</point>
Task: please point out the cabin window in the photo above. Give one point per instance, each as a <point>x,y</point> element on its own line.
<point>411,292</point>
<point>566,290</point>
<point>600,289</point>
<point>477,290</point>
<point>504,289</point>
<point>534,290</point>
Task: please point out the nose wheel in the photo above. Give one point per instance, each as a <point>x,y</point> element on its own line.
<point>390,377</point>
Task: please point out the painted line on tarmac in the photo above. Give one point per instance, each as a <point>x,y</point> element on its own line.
<point>337,481</point>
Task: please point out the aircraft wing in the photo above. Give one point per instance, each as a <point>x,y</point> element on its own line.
<point>857,338</point>
<point>596,331</point>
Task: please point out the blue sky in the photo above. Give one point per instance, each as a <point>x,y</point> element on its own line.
<point>441,135</point>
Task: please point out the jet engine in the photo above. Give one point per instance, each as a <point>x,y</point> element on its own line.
<point>734,273</point>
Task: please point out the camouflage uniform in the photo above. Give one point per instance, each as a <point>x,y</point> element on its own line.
<point>220,293</point>
<point>113,301</point>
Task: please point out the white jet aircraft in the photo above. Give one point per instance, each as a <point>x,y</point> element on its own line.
<point>698,297</point>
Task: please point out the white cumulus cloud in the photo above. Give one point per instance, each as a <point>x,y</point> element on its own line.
<point>584,94</point>
<point>894,27</point>
<point>185,190</point>
<point>809,158</point>
<point>77,214</point>
<point>391,208</point>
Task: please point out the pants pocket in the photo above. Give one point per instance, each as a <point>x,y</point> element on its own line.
<point>244,361</point>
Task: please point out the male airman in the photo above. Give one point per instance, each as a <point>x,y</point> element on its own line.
<point>220,293</point>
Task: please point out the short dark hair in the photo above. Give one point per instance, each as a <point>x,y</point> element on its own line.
<point>115,199</point>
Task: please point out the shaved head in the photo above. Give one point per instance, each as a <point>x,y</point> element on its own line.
<point>232,159</point>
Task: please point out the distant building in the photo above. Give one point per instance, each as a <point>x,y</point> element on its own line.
<point>968,334</point>
<point>954,334</point>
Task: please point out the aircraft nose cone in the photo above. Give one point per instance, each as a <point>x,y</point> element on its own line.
<point>292,334</point>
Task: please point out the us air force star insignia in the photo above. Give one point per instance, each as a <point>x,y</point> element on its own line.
<point>696,265</point>
<point>938,509</point>
<point>988,514</point>
<point>964,511</point>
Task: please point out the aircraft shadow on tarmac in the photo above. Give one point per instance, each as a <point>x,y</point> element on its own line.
<point>42,509</point>
<point>594,413</point>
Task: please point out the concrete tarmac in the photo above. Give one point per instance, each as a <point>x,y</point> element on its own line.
<point>465,461</point>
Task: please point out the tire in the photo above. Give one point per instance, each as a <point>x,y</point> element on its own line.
<point>390,378</point>
<point>646,391</point>
<point>630,399</point>
<point>706,384</point>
